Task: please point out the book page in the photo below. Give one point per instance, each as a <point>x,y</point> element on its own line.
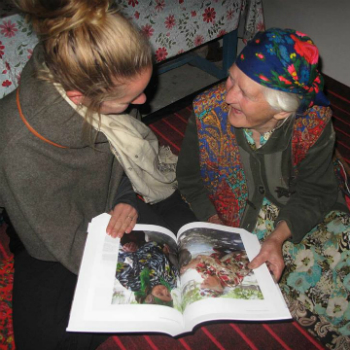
<point>215,280</point>
<point>128,285</point>
<point>134,284</point>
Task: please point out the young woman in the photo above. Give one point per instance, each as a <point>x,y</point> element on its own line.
<point>67,155</point>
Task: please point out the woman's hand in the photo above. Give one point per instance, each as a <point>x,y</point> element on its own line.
<point>130,247</point>
<point>271,251</point>
<point>215,220</point>
<point>123,220</point>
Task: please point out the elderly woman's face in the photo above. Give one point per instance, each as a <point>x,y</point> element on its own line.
<point>248,107</point>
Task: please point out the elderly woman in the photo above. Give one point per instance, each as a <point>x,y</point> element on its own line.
<point>257,154</point>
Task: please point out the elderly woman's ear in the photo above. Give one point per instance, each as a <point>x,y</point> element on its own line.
<point>282,115</point>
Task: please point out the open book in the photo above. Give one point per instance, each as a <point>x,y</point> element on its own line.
<point>151,281</point>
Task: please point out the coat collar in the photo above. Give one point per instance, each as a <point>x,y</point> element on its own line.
<point>278,141</point>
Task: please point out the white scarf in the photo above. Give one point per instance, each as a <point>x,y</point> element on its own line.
<point>150,168</point>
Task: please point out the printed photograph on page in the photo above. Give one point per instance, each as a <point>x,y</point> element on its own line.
<point>147,271</point>
<point>213,264</point>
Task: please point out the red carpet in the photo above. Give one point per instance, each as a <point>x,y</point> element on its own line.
<point>339,96</point>
<point>218,335</point>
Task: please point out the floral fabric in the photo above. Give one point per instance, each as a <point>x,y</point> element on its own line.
<point>6,285</point>
<point>229,268</point>
<point>150,256</point>
<point>172,26</point>
<point>316,279</point>
<point>285,60</point>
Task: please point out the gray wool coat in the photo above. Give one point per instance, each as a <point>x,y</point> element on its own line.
<point>49,193</point>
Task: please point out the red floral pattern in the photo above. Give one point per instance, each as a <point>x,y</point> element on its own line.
<point>307,131</point>
<point>172,26</point>
<point>147,30</point>
<point>133,3</point>
<point>222,176</point>
<point>8,29</point>
<point>2,48</point>
<point>6,284</point>
<point>174,29</point>
<point>305,49</point>
<point>287,61</point>
<point>6,83</point>
<point>198,40</point>
<point>230,14</point>
<point>230,268</point>
<point>160,4</point>
<point>170,22</point>
<point>222,33</point>
<point>161,54</point>
<point>209,15</point>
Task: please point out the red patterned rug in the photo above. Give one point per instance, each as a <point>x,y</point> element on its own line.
<point>339,96</point>
<point>6,281</point>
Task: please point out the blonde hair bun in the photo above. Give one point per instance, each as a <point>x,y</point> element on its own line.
<point>87,46</point>
<point>53,17</point>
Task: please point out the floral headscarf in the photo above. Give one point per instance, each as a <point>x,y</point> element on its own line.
<point>285,60</point>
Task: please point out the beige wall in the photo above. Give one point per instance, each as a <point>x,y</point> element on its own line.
<point>327,22</point>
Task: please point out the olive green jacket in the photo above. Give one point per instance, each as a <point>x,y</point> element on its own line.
<point>303,200</point>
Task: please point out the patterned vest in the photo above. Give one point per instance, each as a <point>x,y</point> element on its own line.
<point>220,161</point>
